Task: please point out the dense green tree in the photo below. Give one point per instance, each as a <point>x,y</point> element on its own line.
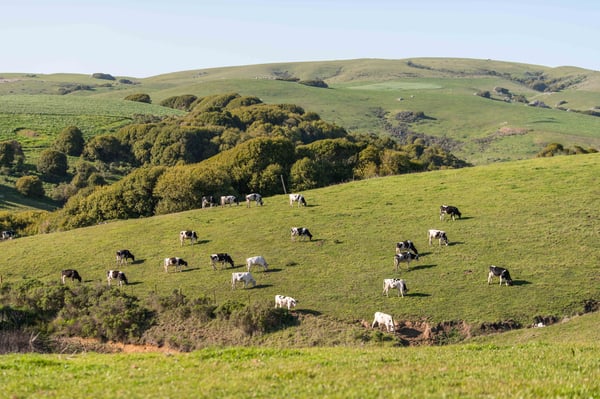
<point>105,148</point>
<point>30,186</point>
<point>52,164</point>
<point>7,153</point>
<point>70,141</point>
<point>139,97</point>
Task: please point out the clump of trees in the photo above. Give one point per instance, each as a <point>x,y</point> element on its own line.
<point>139,97</point>
<point>553,149</point>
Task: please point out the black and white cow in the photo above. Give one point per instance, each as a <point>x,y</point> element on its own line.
<point>254,197</point>
<point>221,258</point>
<point>256,261</point>
<point>188,235</point>
<point>245,277</point>
<point>229,200</point>
<point>301,232</point>
<point>208,201</point>
<point>116,275</point>
<point>123,255</point>
<point>282,301</point>
<point>407,245</point>
<point>449,210</point>
<point>70,273</point>
<point>500,272</point>
<point>391,283</point>
<point>175,261</point>
<point>383,319</point>
<point>8,234</point>
<point>299,198</point>
<point>404,257</point>
<point>439,235</point>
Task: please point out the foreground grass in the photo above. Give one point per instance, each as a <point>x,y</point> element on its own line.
<point>471,371</point>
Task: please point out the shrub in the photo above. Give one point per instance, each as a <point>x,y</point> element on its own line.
<point>30,186</point>
<point>139,97</point>
<point>52,163</point>
<point>70,141</point>
<point>314,83</point>
<point>183,102</point>
<point>104,76</point>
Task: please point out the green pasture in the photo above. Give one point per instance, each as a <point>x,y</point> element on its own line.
<point>531,370</point>
<point>538,218</point>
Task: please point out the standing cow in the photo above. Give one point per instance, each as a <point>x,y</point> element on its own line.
<point>299,198</point>
<point>70,273</point>
<point>254,197</point>
<point>383,319</point>
<point>391,283</point>
<point>123,255</point>
<point>404,257</point>
<point>221,258</point>
<point>258,261</point>
<point>175,261</point>
<point>301,232</point>
<point>449,210</point>
<point>245,277</point>
<point>500,272</point>
<point>282,301</point>
<point>188,235</point>
<point>116,275</point>
<point>439,235</point>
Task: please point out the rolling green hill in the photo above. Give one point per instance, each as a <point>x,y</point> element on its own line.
<point>538,218</point>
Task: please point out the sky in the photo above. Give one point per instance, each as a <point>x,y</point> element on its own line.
<point>142,38</point>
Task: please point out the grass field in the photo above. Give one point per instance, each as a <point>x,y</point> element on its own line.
<point>546,366</point>
<point>538,218</point>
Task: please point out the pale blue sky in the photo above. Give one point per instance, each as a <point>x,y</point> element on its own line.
<point>142,38</point>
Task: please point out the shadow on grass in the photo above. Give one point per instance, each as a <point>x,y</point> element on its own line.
<point>521,282</point>
<point>309,312</point>
<point>421,267</point>
<point>261,286</point>
<point>417,294</point>
<point>453,243</point>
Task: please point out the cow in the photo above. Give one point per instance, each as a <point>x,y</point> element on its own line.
<point>256,260</point>
<point>116,275</point>
<point>8,234</point>
<point>404,257</point>
<point>407,245</point>
<point>500,272</point>
<point>299,198</point>
<point>123,255</point>
<point>254,197</point>
<point>285,302</point>
<point>208,201</point>
<point>383,319</point>
<point>391,283</point>
<point>301,232</point>
<point>188,235</point>
<point>449,210</point>
<point>175,261</point>
<point>439,234</point>
<point>246,277</point>
<point>70,273</point>
<point>228,200</point>
<point>221,258</point>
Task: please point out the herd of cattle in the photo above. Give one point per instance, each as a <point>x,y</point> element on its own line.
<point>406,252</point>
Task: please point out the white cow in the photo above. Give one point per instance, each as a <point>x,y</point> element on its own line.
<point>228,200</point>
<point>299,198</point>
<point>383,319</point>
<point>391,283</point>
<point>254,197</point>
<point>256,260</point>
<point>439,234</point>
<point>175,261</point>
<point>246,277</point>
<point>285,301</point>
<point>404,257</point>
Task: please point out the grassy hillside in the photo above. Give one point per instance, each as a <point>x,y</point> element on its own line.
<point>538,218</point>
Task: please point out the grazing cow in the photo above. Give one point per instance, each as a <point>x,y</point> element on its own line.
<point>301,232</point>
<point>449,210</point>
<point>256,260</point>
<point>221,258</point>
<point>404,257</point>
<point>208,201</point>
<point>246,277</point>
<point>391,283</point>
<point>229,199</point>
<point>285,302</point>
<point>8,234</point>
<point>70,273</point>
<point>407,245</point>
<point>188,235</point>
<point>177,262</point>
<point>254,197</point>
<point>299,198</point>
<point>438,234</point>
<point>116,275</point>
<point>499,272</point>
<point>123,255</point>
<point>383,319</point>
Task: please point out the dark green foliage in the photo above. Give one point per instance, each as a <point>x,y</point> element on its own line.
<point>70,141</point>
<point>105,148</point>
<point>258,318</point>
<point>484,94</point>
<point>139,97</point>
<point>553,149</point>
<point>7,153</point>
<point>30,186</point>
<point>52,164</point>
<point>183,102</point>
<point>314,83</point>
<point>104,76</point>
